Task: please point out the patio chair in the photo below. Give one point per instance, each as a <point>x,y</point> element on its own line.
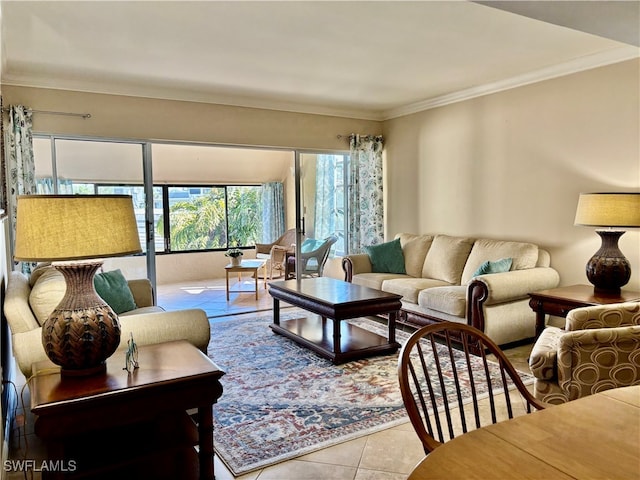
<point>313,256</point>
<point>436,377</point>
<point>287,241</point>
<point>277,260</point>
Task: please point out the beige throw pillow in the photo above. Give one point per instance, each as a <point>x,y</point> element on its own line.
<point>415,248</point>
<point>446,258</point>
<point>524,255</point>
<point>47,293</point>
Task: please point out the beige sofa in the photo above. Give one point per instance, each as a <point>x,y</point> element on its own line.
<point>29,301</point>
<point>598,349</point>
<point>439,283</point>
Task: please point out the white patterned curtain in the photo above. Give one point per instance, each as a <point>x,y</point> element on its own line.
<point>21,170</point>
<point>272,211</point>
<point>366,207</point>
<point>325,207</point>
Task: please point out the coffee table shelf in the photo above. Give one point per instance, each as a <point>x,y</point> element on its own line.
<point>333,301</point>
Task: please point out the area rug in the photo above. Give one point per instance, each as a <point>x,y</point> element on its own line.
<point>281,400</point>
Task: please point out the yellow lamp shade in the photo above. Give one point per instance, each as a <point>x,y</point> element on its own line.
<point>73,227</point>
<point>620,210</point>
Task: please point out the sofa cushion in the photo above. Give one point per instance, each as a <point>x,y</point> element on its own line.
<point>41,268</point>
<point>450,299</point>
<point>499,266</point>
<point>46,293</point>
<point>374,280</point>
<point>446,258</point>
<point>414,248</point>
<point>524,255</point>
<point>114,289</point>
<point>386,257</point>
<point>409,287</point>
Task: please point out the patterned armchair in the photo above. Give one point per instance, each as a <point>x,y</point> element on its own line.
<point>599,349</point>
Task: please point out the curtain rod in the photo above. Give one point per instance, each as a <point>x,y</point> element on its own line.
<point>351,135</point>
<point>49,112</point>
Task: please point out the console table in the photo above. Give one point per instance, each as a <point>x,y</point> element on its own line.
<point>560,301</point>
<point>120,423</point>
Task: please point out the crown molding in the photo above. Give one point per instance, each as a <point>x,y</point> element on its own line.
<point>168,93</point>
<point>184,95</point>
<point>588,62</point>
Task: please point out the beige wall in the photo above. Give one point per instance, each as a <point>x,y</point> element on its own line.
<point>151,119</point>
<point>511,165</point>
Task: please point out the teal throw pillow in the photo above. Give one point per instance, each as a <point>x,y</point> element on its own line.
<point>387,257</point>
<point>499,266</point>
<point>114,290</point>
<point>310,244</point>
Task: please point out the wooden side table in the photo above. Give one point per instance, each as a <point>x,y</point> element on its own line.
<point>247,266</point>
<point>112,424</point>
<point>560,301</point>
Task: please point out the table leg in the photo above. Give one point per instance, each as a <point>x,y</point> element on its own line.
<point>264,267</point>
<point>205,440</point>
<point>336,335</point>
<point>255,275</point>
<point>227,285</point>
<point>392,327</point>
<point>276,311</point>
<point>538,307</point>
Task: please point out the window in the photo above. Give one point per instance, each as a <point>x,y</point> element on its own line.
<point>206,218</point>
<point>204,197</point>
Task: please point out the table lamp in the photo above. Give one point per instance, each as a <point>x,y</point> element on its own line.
<point>608,269</point>
<point>75,232</point>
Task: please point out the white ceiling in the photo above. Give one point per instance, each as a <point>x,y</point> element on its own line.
<point>373,60</point>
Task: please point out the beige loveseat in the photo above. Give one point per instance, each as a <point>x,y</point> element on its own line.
<point>439,283</point>
<point>598,349</point>
<point>29,301</point>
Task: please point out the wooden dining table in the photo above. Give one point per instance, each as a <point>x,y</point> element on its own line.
<point>594,437</point>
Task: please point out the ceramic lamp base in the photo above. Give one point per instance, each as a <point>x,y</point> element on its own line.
<point>608,270</point>
<point>83,331</point>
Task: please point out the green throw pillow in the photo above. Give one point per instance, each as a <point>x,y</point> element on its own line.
<point>387,257</point>
<point>114,290</point>
<point>499,266</point>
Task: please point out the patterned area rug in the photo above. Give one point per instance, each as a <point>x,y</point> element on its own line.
<point>281,400</point>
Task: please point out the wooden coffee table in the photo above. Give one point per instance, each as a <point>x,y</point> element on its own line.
<point>113,424</point>
<point>334,301</point>
<point>560,301</point>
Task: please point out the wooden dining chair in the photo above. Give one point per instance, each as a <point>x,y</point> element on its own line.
<point>448,391</point>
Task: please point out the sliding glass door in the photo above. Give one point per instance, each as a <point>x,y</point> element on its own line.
<point>322,197</point>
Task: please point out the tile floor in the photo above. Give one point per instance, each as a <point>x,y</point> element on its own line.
<point>386,455</point>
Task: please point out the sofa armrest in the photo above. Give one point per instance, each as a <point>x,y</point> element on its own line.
<point>28,349</point>
<point>355,264</point>
<point>513,285</point>
<point>151,328</point>
<point>585,357</point>
<point>142,292</point>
